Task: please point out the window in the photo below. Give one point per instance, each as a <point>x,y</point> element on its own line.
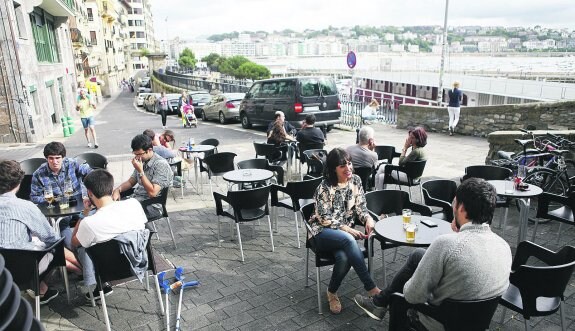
<point>90,14</point>
<point>136,11</point>
<point>44,36</point>
<point>138,22</point>
<point>20,26</point>
<point>140,34</point>
<point>93,38</point>
<point>34,102</point>
<point>130,22</point>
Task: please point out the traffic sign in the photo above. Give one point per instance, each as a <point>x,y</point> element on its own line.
<point>351,60</point>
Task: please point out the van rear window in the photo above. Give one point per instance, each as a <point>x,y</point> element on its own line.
<point>312,87</point>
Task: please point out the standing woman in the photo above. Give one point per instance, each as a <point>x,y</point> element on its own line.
<point>339,204</point>
<point>163,105</point>
<point>455,98</point>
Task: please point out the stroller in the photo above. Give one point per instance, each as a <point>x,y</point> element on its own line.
<point>188,116</point>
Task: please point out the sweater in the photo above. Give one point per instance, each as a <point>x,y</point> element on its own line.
<point>472,264</point>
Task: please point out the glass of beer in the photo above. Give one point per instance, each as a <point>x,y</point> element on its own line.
<point>49,196</point>
<point>406,213</point>
<point>410,232</point>
<point>64,202</point>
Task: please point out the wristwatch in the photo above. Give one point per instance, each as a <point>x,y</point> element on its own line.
<point>141,174</point>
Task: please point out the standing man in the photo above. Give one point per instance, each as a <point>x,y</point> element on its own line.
<point>472,263</point>
<point>454,107</point>
<point>152,173</point>
<point>86,108</point>
<point>362,154</point>
<point>163,106</point>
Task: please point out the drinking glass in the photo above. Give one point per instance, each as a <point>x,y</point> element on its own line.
<point>521,171</point>
<point>406,213</point>
<point>49,196</point>
<point>68,189</point>
<point>410,232</point>
<point>509,186</point>
<point>64,202</point>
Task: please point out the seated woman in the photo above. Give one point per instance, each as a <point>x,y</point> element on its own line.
<point>340,203</point>
<point>278,134</point>
<point>416,140</point>
<point>166,138</point>
<point>369,113</point>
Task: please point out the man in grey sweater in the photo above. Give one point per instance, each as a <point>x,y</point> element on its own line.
<point>471,263</point>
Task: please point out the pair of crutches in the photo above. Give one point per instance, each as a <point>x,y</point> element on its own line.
<point>167,288</point>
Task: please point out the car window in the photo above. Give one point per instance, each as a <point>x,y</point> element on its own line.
<point>255,90</point>
<point>327,86</point>
<point>313,87</point>
<point>269,89</point>
<point>286,88</point>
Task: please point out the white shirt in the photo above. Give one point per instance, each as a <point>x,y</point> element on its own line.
<point>110,221</point>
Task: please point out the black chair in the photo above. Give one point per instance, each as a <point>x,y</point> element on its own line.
<point>212,142</point>
<point>177,168</point>
<point>24,267</point>
<point>28,166</point>
<point>321,259</point>
<point>31,165</point>
<point>562,214</point>
<point>440,193</point>
<point>299,193</point>
<point>247,206</point>
<point>23,319</point>
<point>489,172</point>
<point>94,160</point>
<point>110,264</point>
<point>217,165</point>
<point>386,153</point>
<point>413,170</point>
<point>263,164</point>
<point>389,202</point>
<point>275,154</point>
<point>315,160</point>
<point>454,315</point>
<point>366,174</point>
<point>25,188</point>
<point>161,199</point>
<point>305,147</point>
<point>536,290</point>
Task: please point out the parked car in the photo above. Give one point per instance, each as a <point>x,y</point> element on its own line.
<point>150,102</point>
<point>140,99</point>
<point>223,107</point>
<point>296,97</point>
<point>173,100</point>
<point>199,100</point>
<point>144,89</point>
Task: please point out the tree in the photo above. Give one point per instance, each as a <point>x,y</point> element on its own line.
<point>252,71</point>
<point>231,65</point>
<point>144,51</point>
<point>187,59</point>
<point>212,60</point>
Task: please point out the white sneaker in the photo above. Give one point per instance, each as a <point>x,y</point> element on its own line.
<point>89,145</point>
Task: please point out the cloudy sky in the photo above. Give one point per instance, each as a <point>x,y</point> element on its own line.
<point>189,19</point>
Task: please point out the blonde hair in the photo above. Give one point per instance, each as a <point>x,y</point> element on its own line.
<point>456,84</point>
<point>374,102</point>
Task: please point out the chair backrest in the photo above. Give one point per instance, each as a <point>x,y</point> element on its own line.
<point>467,314</point>
<point>442,189</point>
<point>25,188</point>
<point>385,152</point>
<point>315,159</point>
<point>304,189</point>
<point>307,211</point>
<point>31,165</point>
<point>414,169</point>
<point>220,162</point>
<point>253,164</point>
<point>94,160</point>
<point>364,173</point>
<point>213,142</point>
<point>249,199</point>
<point>487,172</point>
<point>386,201</point>
<point>271,152</point>
<point>305,147</point>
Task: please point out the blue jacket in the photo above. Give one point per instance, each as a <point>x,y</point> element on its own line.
<point>455,97</point>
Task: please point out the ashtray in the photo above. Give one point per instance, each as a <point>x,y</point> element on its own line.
<point>247,173</point>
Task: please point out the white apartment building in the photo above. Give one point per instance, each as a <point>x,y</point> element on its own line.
<point>140,32</point>
<point>202,49</point>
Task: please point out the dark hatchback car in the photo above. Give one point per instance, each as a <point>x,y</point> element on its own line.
<point>296,97</point>
<point>199,101</point>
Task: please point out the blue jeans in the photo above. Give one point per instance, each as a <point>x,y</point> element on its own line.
<point>87,266</point>
<point>347,254</point>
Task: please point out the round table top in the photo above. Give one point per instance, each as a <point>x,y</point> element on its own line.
<point>391,229</point>
<point>57,212</point>
<point>248,175</point>
<point>531,191</point>
<point>197,148</point>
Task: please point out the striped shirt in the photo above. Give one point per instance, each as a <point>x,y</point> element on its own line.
<point>71,170</point>
<point>19,221</point>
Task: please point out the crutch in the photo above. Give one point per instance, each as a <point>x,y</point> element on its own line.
<point>165,284</point>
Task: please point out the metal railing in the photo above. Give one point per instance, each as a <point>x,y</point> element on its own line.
<point>351,111</point>
<point>193,84</point>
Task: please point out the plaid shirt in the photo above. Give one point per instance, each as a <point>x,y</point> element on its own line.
<point>71,170</point>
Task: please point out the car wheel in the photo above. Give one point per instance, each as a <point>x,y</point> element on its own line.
<point>222,118</point>
<point>246,124</point>
<point>204,117</point>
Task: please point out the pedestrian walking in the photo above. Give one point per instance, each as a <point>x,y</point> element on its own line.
<point>86,108</point>
<point>163,105</point>
<point>455,98</point>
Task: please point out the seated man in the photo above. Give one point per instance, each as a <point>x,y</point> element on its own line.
<point>111,219</point>
<point>21,220</point>
<point>60,174</point>
<point>162,151</point>
<point>152,173</point>
<point>309,134</point>
<point>470,264</point>
<point>362,154</point>
<point>280,116</point>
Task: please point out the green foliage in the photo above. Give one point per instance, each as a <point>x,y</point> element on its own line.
<point>144,51</point>
<point>223,36</point>
<point>212,60</point>
<point>232,64</point>
<point>252,71</point>
<point>187,59</point>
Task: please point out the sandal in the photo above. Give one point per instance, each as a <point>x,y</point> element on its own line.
<point>334,303</point>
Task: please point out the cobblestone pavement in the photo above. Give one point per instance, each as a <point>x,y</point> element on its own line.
<point>267,291</point>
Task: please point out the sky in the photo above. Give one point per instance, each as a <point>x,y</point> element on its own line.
<point>191,19</point>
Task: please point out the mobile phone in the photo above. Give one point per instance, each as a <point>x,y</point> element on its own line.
<point>429,223</point>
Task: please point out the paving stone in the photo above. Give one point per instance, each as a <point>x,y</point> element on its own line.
<point>236,321</point>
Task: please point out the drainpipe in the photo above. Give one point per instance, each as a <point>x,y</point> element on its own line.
<point>443,51</point>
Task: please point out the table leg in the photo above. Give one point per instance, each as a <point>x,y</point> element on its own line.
<point>523,219</point>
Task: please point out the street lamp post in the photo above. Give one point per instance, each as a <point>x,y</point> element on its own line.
<point>443,51</point>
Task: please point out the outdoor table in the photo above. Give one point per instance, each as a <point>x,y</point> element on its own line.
<point>523,199</point>
<point>193,152</point>
<point>56,214</point>
<point>245,176</point>
<point>391,230</point>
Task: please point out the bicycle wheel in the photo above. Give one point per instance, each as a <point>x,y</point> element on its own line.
<point>550,181</point>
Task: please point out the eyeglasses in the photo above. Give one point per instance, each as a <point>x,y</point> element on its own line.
<point>139,154</point>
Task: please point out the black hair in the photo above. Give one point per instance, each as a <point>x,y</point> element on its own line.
<point>478,198</point>
<point>10,175</point>
<point>150,133</point>
<point>310,119</point>
<point>54,148</point>
<point>420,136</point>
<point>100,182</point>
<point>335,158</point>
<point>142,142</point>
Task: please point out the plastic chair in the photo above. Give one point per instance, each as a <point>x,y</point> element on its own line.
<point>455,315</point>
<point>440,193</point>
<point>563,214</point>
<point>386,153</point>
<point>177,167</point>
<point>365,173</point>
<point>263,164</point>
<point>161,199</point>
<point>315,160</point>
<point>275,154</point>
<point>247,206</point>
<point>389,202</point>
<point>299,193</point>
<point>110,264</point>
<point>413,170</point>
<point>305,147</point>
<point>217,165</point>
<point>94,160</point>
<point>212,142</point>
<point>536,290</point>
<point>321,259</point>
<point>9,308</point>
<point>31,165</point>
<point>23,318</point>
<point>23,265</point>
<point>25,188</point>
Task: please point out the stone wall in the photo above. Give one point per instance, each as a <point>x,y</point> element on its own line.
<point>481,121</point>
<point>505,141</point>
